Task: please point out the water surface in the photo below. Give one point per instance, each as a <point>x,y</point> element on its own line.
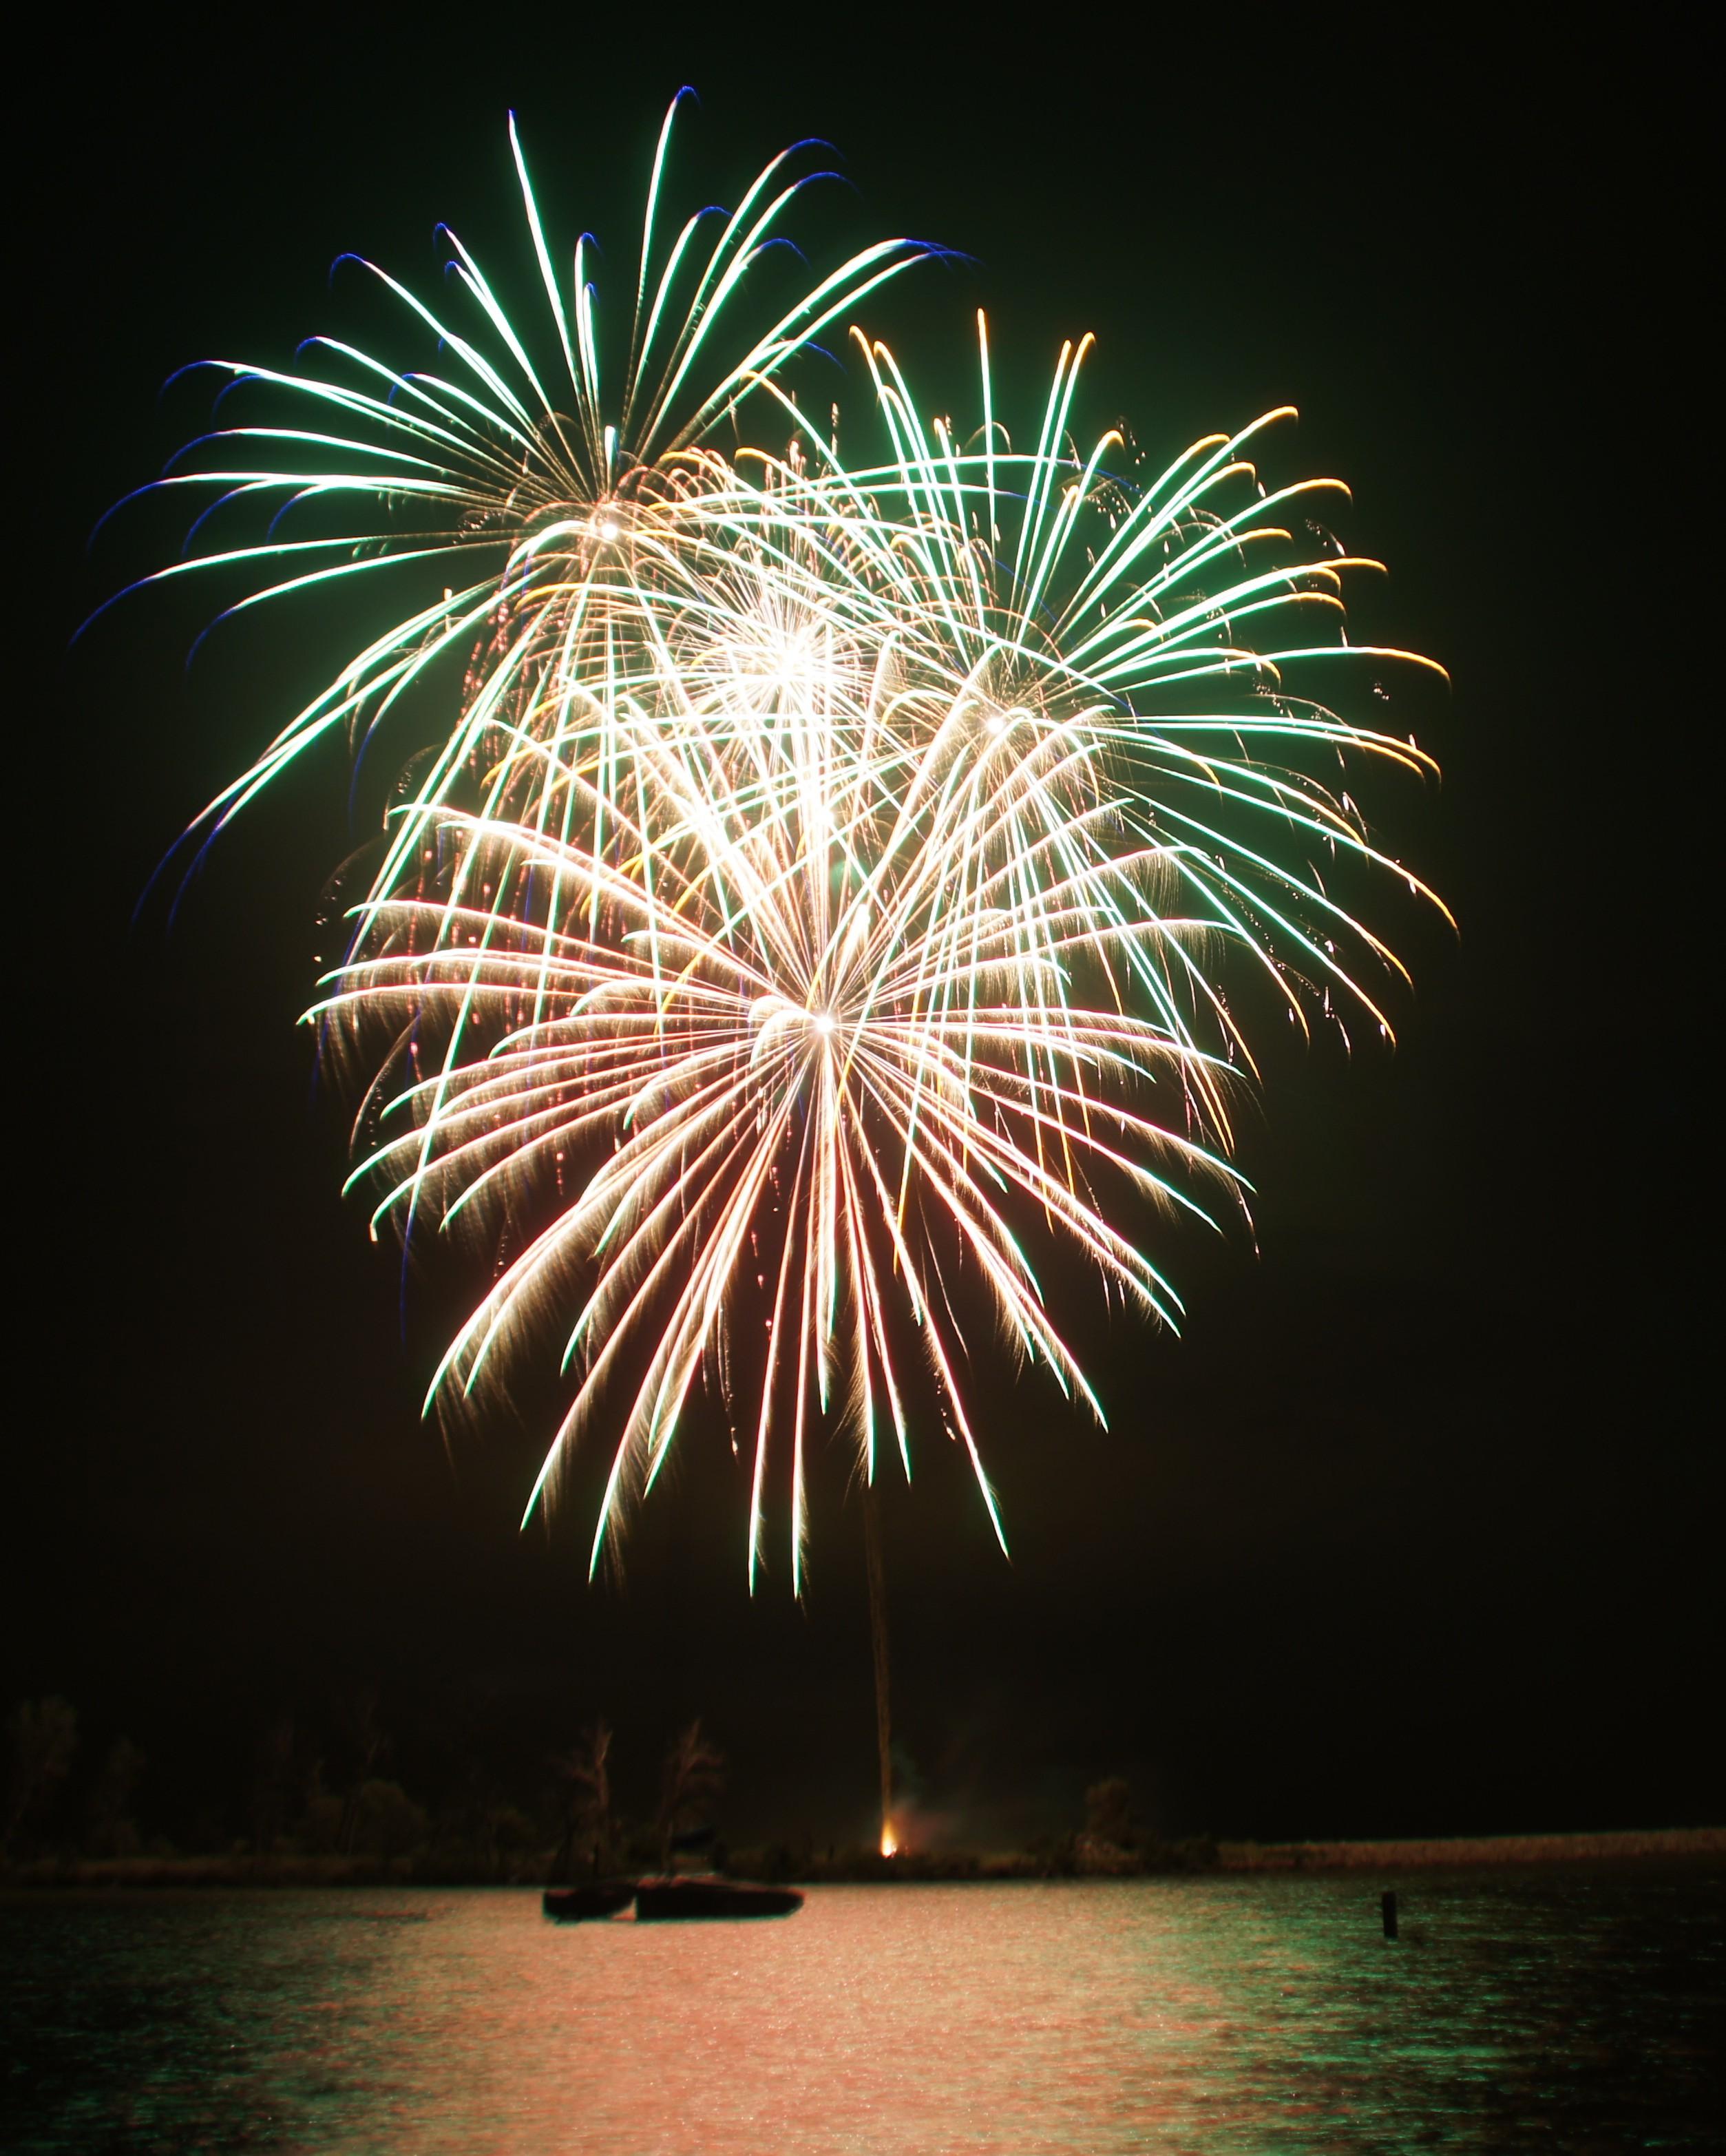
<point>1554,2010</point>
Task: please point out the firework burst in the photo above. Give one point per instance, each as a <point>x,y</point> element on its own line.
<point>828,893</point>
<point>579,525</point>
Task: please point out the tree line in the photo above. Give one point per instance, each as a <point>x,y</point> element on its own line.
<point>334,1801</point>
<point>335,1793</point>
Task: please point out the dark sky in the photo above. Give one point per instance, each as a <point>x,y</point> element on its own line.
<point>1414,1530</point>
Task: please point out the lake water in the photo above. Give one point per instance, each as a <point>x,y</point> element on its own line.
<point>1554,2010</point>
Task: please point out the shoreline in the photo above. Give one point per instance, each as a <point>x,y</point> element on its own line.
<point>1670,1844</point>
<point>1471,1851</point>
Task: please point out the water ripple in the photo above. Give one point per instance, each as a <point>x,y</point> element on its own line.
<point>1223,2017</point>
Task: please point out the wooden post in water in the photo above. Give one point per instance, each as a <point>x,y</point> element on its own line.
<point>878,1633</point>
<point>1387,1905</point>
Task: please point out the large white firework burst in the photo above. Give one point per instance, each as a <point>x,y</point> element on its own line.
<point>835,882</point>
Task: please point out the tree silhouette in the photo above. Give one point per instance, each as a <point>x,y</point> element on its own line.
<point>272,1774</point>
<point>44,1738</point>
<point>1109,1814</point>
<point>588,1815</point>
<point>370,1747</point>
<point>694,1773</point>
<point>113,1830</point>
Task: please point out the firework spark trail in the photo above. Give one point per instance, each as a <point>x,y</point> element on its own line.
<point>832,876</point>
<point>572,541</point>
<point>907,1050</point>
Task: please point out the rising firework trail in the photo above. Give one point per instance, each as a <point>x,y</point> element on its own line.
<point>834,888</point>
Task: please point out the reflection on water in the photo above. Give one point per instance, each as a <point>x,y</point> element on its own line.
<point>1550,2010</point>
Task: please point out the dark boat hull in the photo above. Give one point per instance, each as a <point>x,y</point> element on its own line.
<point>601,1897</point>
<point>663,1901</point>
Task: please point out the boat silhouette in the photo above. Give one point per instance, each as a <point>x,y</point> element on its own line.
<point>679,1897</point>
<point>594,1898</point>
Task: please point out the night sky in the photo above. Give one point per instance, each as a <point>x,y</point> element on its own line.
<point>1415,1530</point>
